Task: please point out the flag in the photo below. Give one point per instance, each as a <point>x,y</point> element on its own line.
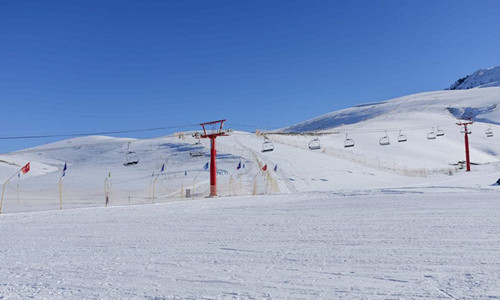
<point>19,175</point>
<point>243,166</point>
<point>205,167</point>
<point>239,166</point>
<point>185,173</point>
<point>264,167</point>
<point>275,168</point>
<point>109,175</point>
<point>162,168</point>
<point>25,169</point>
<point>64,171</point>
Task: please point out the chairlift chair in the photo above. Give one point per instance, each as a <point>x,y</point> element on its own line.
<point>401,137</point>
<point>431,135</point>
<point>267,146</point>
<point>196,149</point>
<point>314,144</point>
<point>348,142</point>
<point>384,141</point>
<point>131,158</point>
<point>439,132</point>
<point>489,132</point>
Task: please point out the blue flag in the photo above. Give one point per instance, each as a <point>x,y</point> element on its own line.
<point>162,168</point>
<point>275,168</point>
<point>239,166</point>
<point>205,167</point>
<point>64,171</point>
<point>185,173</point>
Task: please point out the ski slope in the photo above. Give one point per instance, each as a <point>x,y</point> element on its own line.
<point>406,243</point>
<point>298,170</point>
<point>368,222</point>
<point>416,162</point>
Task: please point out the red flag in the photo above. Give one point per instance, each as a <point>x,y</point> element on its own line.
<point>25,169</point>
<point>264,167</point>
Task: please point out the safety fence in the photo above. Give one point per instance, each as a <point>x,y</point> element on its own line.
<point>243,175</point>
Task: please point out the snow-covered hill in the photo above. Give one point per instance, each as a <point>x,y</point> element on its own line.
<point>415,162</point>
<point>399,220</point>
<point>482,78</point>
<point>440,105</point>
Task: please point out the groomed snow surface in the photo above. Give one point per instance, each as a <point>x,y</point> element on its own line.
<point>410,243</point>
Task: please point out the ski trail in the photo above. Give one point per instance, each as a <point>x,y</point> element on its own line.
<point>283,175</point>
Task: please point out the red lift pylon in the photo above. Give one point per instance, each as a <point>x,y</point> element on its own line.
<point>466,137</point>
<point>215,132</point>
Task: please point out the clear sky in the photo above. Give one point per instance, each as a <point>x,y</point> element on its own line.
<point>91,66</point>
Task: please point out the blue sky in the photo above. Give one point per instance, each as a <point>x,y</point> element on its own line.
<point>91,66</point>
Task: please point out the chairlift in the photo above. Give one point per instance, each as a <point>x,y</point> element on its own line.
<point>131,157</point>
<point>489,132</point>
<point>384,141</point>
<point>401,137</point>
<point>462,130</point>
<point>348,142</point>
<point>267,146</point>
<point>314,144</point>
<point>439,132</point>
<point>431,135</point>
<point>196,149</point>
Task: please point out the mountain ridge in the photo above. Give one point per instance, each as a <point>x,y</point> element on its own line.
<point>489,77</point>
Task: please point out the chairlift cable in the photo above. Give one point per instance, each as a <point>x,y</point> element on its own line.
<point>93,133</point>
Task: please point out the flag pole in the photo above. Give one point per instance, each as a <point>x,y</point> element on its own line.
<point>154,187</point>
<point>3,188</point>
<point>154,181</point>
<point>105,191</point>
<point>194,183</point>
<point>182,188</point>
<point>60,194</point>
<point>60,185</point>
<point>230,184</point>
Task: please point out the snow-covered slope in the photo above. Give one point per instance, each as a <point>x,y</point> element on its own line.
<point>482,78</point>
<point>389,244</point>
<point>371,221</point>
<point>478,103</point>
<point>418,161</point>
<point>92,159</point>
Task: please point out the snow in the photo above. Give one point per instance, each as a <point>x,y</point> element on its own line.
<point>418,243</point>
<point>378,222</point>
<point>333,167</point>
<point>409,110</point>
<point>480,79</point>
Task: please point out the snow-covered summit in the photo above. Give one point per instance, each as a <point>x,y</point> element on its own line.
<point>439,107</point>
<point>481,78</point>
